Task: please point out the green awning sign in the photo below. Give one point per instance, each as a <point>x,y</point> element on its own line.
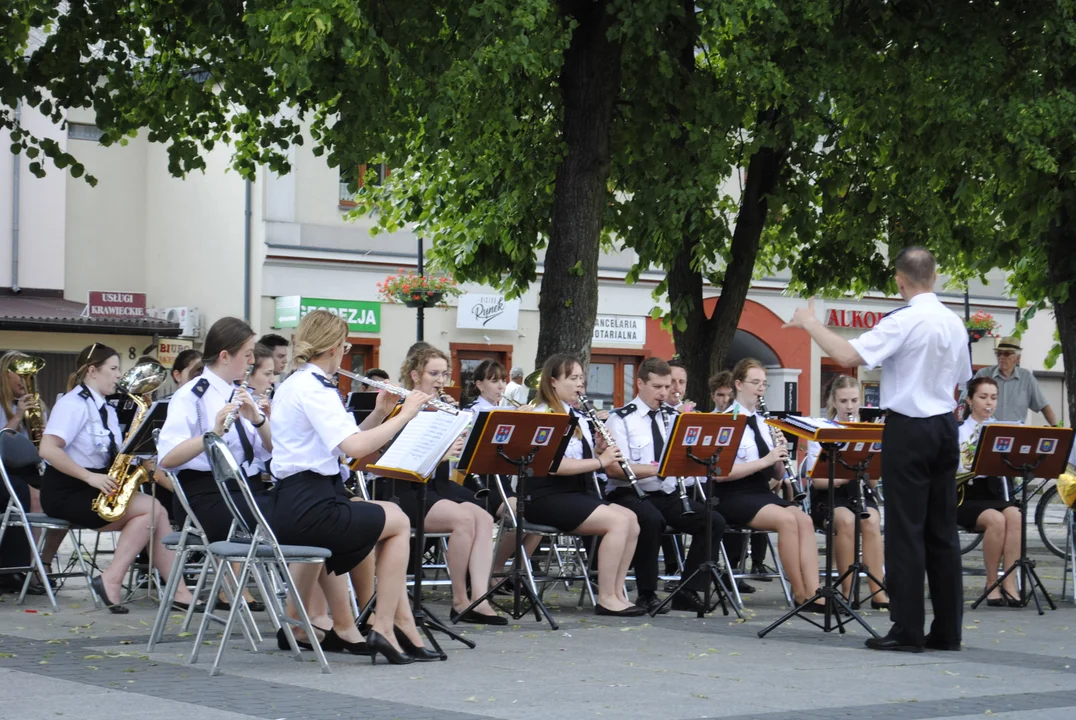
<point>360,315</point>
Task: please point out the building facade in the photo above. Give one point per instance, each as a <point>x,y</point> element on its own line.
<point>271,249</point>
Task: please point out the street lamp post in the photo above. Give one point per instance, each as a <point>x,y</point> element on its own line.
<point>421,321</point>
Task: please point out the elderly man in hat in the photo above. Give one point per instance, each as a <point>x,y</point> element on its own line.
<point>1018,389</point>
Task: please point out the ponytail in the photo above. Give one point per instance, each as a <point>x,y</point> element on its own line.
<point>95,356</point>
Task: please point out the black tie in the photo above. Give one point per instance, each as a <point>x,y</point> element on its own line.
<point>659,443</point>
<point>248,448</point>
<point>113,451</point>
<point>763,448</point>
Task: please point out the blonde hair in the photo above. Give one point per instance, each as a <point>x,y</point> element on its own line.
<point>7,395</point>
<point>319,332</point>
<point>417,362</point>
<point>839,383</point>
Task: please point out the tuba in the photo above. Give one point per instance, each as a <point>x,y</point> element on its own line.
<point>138,381</point>
<point>27,367</point>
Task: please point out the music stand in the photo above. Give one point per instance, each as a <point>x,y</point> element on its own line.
<point>510,442</point>
<point>361,404</point>
<point>1031,451</point>
<point>701,439</point>
<point>846,452</point>
<point>859,485</point>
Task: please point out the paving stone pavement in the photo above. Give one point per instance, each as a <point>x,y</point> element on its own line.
<point>89,664</point>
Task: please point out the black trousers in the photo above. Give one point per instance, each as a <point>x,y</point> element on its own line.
<point>919,463</point>
<point>660,510</point>
<point>734,547</point>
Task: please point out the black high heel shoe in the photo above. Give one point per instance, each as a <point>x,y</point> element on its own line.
<point>282,640</point>
<point>421,654</point>
<point>98,585</point>
<point>335,643</point>
<point>378,643</point>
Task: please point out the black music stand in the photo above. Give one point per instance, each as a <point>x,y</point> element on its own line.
<point>143,444</point>
<point>846,452</point>
<point>1031,451</point>
<point>511,442</point>
<point>700,439</point>
<point>361,404</point>
<point>425,621</point>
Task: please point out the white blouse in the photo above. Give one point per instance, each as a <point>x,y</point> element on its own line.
<point>309,422</point>
<point>76,419</point>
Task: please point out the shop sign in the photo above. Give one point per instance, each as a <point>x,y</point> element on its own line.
<point>854,318</point>
<point>620,329</point>
<point>117,305</point>
<point>360,315</point>
<point>487,312</point>
<point>167,350</point>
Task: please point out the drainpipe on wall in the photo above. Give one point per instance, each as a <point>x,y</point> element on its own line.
<point>247,253</point>
<point>16,163</point>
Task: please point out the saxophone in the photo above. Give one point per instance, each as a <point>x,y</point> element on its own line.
<point>27,367</point>
<point>128,476</point>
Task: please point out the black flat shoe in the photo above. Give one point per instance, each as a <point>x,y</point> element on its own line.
<point>876,605</point>
<point>184,607</point>
<point>633,611</point>
<point>421,654</point>
<point>893,644</point>
<point>476,618</point>
<point>282,641</point>
<point>98,585</point>
<point>932,643</point>
<point>997,602</point>
<point>380,644</point>
<point>335,643</point>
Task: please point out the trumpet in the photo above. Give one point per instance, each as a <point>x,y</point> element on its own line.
<point>798,493</point>
<point>397,390</point>
<point>230,419</point>
<point>625,467</point>
<point>681,488</point>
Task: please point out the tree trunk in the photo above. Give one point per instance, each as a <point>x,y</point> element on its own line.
<point>704,343</point>
<point>590,84</point>
<point>1061,251</point>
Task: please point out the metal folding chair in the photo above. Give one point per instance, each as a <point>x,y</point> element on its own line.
<point>734,576</point>
<point>257,550</point>
<point>15,516</point>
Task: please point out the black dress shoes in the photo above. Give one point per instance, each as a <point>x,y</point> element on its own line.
<point>420,653</point>
<point>476,618</point>
<point>888,642</point>
<point>932,643</point>
<point>650,603</point>
<point>762,569</point>
<point>746,588</point>
<point>876,605</point>
<point>688,600</point>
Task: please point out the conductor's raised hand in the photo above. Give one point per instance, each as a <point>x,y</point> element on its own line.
<point>803,316</point>
<point>413,404</point>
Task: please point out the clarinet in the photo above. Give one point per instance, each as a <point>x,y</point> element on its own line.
<point>798,493</point>
<point>625,467</point>
<point>685,501</point>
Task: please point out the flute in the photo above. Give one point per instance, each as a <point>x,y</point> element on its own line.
<point>230,419</point>
<point>397,390</point>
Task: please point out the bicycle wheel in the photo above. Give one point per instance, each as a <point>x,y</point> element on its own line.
<point>969,541</point>
<point>1051,518</point>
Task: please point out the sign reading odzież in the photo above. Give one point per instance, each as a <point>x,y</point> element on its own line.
<point>104,304</point>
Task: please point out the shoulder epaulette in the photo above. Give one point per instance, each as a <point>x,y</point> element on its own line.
<point>896,311</point>
<point>85,393</point>
<point>200,387</point>
<point>624,411</point>
<point>324,380</point>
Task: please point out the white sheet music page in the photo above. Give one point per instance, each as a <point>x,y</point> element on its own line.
<point>424,441</point>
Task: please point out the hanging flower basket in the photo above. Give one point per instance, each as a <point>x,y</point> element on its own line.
<point>981,324</point>
<point>413,290</point>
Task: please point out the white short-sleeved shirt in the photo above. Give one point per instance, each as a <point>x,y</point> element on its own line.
<point>192,411</point>
<point>749,450</point>
<point>309,423</point>
<point>630,427</point>
<point>923,351</point>
<point>517,392</point>
<point>76,419</point>
<point>480,404</point>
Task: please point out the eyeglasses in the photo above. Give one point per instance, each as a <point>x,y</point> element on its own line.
<point>757,383</point>
<point>1003,353</point>
<point>434,374</point>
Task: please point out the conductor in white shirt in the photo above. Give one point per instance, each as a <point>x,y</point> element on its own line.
<point>923,350</point>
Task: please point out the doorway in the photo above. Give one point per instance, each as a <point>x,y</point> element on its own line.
<point>611,378</point>
<point>466,357</point>
<point>364,356</point>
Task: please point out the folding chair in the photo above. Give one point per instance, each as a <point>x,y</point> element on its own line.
<point>256,550</point>
<point>15,448</point>
<point>735,576</point>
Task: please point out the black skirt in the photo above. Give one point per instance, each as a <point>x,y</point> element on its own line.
<point>562,502</point>
<point>68,498</point>
<point>740,500</point>
<point>842,496</point>
<point>313,509</point>
<point>439,488</point>
<point>209,507</point>
<point>981,494</point>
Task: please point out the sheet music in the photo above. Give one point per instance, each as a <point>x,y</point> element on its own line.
<point>811,423</point>
<point>424,441</point>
